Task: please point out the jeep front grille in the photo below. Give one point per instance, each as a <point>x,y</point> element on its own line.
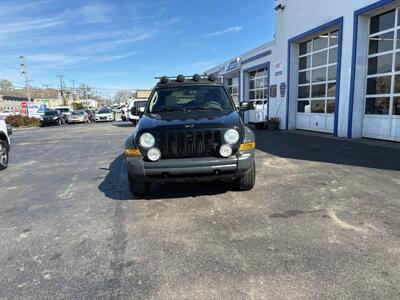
<point>185,144</point>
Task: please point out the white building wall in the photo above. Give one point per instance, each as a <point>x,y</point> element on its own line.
<point>300,16</point>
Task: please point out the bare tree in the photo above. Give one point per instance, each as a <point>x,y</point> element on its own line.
<point>122,95</point>
<point>6,85</point>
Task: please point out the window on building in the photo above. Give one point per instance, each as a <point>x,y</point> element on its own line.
<point>383,65</point>
<point>316,91</point>
<point>232,84</point>
<point>258,84</point>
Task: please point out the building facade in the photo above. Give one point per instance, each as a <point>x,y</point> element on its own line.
<point>333,67</point>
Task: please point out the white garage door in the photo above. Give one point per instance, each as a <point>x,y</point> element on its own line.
<point>317,83</point>
<point>382,101</point>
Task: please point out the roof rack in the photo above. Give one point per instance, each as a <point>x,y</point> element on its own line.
<point>182,78</point>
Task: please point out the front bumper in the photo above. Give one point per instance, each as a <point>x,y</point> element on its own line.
<point>190,169</point>
<point>76,121</point>
<point>108,118</point>
<point>49,121</point>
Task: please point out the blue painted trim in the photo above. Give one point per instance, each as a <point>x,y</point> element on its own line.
<point>266,53</point>
<point>287,86</point>
<point>259,66</point>
<point>338,71</point>
<point>336,22</point>
<point>357,13</point>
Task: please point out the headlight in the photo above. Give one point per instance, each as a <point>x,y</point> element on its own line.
<point>154,154</point>
<point>147,140</point>
<point>55,118</point>
<point>231,136</point>
<point>225,150</point>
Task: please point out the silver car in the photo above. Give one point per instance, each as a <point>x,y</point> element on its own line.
<point>79,116</point>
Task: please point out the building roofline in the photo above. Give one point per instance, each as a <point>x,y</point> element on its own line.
<point>265,45</point>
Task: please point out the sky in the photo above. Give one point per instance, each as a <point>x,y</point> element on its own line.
<point>125,44</point>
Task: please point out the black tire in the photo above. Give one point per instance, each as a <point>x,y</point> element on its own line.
<point>247,182</point>
<point>260,125</point>
<point>138,188</point>
<point>4,156</point>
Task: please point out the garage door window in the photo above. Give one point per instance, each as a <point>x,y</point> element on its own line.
<point>317,74</point>
<point>383,69</point>
<point>258,84</point>
<point>232,85</point>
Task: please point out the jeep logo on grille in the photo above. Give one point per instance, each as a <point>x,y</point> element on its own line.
<point>189,125</point>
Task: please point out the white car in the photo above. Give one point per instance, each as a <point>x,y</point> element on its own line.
<point>4,145</point>
<point>6,113</point>
<point>135,109</point>
<point>65,110</point>
<point>105,114</point>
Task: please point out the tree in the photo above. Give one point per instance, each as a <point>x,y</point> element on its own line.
<point>84,91</point>
<point>122,96</point>
<point>6,85</point>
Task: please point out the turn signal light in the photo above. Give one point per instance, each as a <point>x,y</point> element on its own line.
<point>247,146</point>
<point>132,152</point>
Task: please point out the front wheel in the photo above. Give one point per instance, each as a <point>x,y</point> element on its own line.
<point>247,182</point>
<point>3,155</point>
<point>138,188</point>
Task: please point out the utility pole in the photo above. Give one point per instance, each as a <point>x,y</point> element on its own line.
<point>24,73</point>
<point>47,93</point>
<point>61,88</point>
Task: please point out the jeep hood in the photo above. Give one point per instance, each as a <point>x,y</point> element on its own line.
<point>203,120</point>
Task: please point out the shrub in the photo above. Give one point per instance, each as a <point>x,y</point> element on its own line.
<point>22,121</point>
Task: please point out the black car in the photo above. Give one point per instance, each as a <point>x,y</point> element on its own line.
<point>9,129</point>
<point>52,117</point>
<point>190,130</point>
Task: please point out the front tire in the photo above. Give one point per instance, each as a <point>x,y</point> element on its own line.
<point>247,182</point>
<point>3,155</point>
<point>138,188</point>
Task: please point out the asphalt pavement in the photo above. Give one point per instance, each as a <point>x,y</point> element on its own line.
<point>321,223</point>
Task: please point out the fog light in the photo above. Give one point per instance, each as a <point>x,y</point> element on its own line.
<point>225,150</point>
<point>132,152</point>
<point>154,154</point>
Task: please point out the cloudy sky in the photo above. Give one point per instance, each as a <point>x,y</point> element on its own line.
<point>125,44</point>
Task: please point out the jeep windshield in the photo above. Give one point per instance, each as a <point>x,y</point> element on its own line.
<point>187,99</point>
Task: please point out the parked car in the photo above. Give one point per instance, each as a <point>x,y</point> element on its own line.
<point>136,109</point>
<point>9,129</point>
<point>105,114</point>
<point>6,113</point>
<point>124,113</point>
<point>90,114</point>
<point>65,110</point>
<point>78,116</point>
<point>190,131</point>
<point>52,117</point>
<point>4,145</point>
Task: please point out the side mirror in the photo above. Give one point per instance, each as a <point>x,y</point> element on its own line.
<point>244,106</point>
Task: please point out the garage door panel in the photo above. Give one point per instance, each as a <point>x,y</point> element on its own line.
<point>318,122</point>
<point>376,127</point>
<point>395,132</point>
<point>330,120</point>
<point>303,121</point>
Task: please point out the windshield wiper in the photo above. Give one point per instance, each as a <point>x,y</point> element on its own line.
<point>203,108</point>
<point>169,108</point>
